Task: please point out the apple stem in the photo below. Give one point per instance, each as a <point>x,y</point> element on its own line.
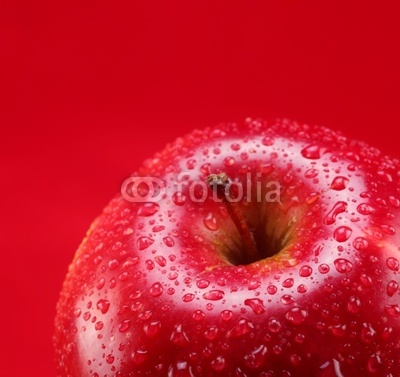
<point>221,185</point>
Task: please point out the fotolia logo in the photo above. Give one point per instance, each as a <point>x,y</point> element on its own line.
<point>153,189</point>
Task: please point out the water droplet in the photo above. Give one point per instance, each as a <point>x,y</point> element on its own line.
<point>395,202</point>
<point>353,156</point>
<point>317,249</point>
<point>339,330</point>
<point>360,244</point>
<point>368,333</point>
<point>268,140</point>
<point>149,264</point>
<point>343,265</point>
<point>211,333</point>
<point>172,275</point>
<point>296,315</point>
<point>256,358</point>
<point>98,259</point>
<point>266,169</point>
<point>179,198</point>
<point>253,284</point>
<point>295,360</point>
<point>113,264</point>
<point>288,177</point>
<point>156,289</point>
<point>214,295</point>
<point>170,291</point>
<point>218,364</point>
<point>392,263</point>
<point>124,325</point>
<point>312,198</point>
<point>338,208</point>
<point>305,271</point>
<point>393,310</point>
<point>158,228</point>
<point>392,288</point>
<point>99,325</point>
<point>221,281</point>
<point>388,229</point>
<point>198,315</point>
<point>210,222</point>
<point>100,283</point>
<point>277,349</point>
<point>339,183</point>
<point>206,169</point>
<point>198,238</point>
<point>226,315</point>
<point>381,201</point>
<point>188,297</point>
<point>229,161</point>
<point>311,173</point>
<point>235,146</point>
<point>110,359</point>
<point>202,283</point>
<point>354,304</point>
<point>244,156</point>
<point>152,329</point>
<point>382,174</point>
<point>103,306</point>
<point>272,289</point>
<point>139,356</point>
<point>112,283</point>
<point>374,363</point>
<point>302,288</point>
<point>274,325</point>
<point>191,164</point>
<point>217,133</point>
<point>180,369</point>
<point>148,209</point>
<point>288,283</point>
<point>161,261</point>
<point>256,304</point>
<point>390,216</point>
<point>342,233</point>
<point>128,231</point>
<point>242,328</point>
<point>323,268</point>
<point>168,241</point>
<point>144,242</point>
<point>311,152</point>
<point>365,209</point>
<point>179,337</point>
<point>366,280</point>
<point>387,333</point>
<point>287,299</point>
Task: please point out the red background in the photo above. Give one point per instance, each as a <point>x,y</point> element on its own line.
<point>89,89</point>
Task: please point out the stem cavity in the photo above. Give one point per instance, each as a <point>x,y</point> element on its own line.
<point>221,185</point>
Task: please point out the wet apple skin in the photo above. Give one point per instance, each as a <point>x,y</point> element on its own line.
<point>154,288</point>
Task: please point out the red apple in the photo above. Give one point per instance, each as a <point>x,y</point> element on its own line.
<point>261,249</point>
